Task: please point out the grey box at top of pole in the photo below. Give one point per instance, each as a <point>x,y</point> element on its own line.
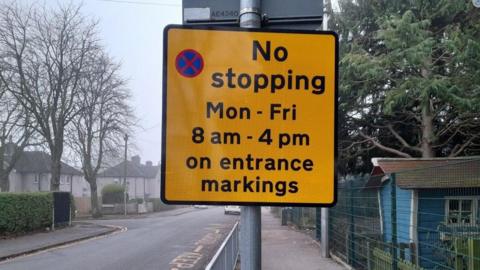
<point>280,14</point>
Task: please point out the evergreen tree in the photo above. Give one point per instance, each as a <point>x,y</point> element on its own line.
<point>409,78</point>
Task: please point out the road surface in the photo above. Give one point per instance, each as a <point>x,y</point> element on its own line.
<point>163,241</point>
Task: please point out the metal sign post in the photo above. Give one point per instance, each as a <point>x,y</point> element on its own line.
<point>249,115</point>
<point>476,3</point>
<point>251,216</point>
<point>324,240</point>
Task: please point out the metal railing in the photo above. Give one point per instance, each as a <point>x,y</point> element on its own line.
<point>414,218</point>
<point>227,255</point>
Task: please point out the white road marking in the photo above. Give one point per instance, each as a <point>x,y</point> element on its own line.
<point>199,248</point>
<point>186,260</point>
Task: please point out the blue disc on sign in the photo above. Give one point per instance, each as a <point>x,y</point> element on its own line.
<point>189,63</point>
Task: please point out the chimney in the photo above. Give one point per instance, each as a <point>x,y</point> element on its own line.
<point>149,163</point>
<point>136,159</point>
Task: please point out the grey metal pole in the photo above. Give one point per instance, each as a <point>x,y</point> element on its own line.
<point>250,14</point>
<point>324,211</point>
<point>251,238</point>
<point>125,177</point>
<point>324,235</point>
<point>250,220</point>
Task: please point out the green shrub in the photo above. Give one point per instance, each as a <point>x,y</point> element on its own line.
<point>113,193</point>
<point>137,200</point>
<point>23,212</point>
<point>158,205</point>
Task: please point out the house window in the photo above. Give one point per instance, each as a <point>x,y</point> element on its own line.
<point>461,210</point>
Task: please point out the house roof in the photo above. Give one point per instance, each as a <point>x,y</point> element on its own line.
<point>40,162</point>
<point>419,173</point>
<point>134,169</point>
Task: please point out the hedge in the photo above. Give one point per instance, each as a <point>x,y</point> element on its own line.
<point>112,193</point>
<point>158,205</point>
<point>23,212</point>
<point>137,200</point>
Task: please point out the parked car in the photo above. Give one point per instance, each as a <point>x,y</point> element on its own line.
<point>232,209</point>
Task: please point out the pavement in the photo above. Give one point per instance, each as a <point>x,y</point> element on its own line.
<point>28,244</point>
<point>285,248</point>
<point>176,211</point>
<point>183,238</point>
<point>170,240</point>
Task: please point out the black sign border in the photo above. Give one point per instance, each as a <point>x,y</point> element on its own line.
<point>164,116</point>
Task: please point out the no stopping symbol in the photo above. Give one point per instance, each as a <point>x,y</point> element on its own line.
<point>189,63</point>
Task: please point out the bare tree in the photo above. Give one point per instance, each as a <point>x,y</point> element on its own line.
<point>105,116</point>
<point>16,125</point>
<point>16,132</point>
<point>45,50</point>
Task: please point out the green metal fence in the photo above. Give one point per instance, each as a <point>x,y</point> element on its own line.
<point>409,216</point>
<point>301,217</point>
<point>354,222</point>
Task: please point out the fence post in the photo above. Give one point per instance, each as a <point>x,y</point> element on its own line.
<point>473,253</point>
<point>232,243</point>
<point>318,223</point>
<point>53,213</point>
<point>369,257</point>
<point>301,218</point>
<point>70,208</point>
<point>351,241</point>
<point>393,215</point>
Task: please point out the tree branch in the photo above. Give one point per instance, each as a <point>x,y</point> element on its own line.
<point>385,148</point>
<point>402,140</point>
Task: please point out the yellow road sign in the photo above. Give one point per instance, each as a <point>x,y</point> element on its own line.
<point>249,116</point>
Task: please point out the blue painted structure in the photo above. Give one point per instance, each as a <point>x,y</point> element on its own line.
<point>404,212</point>
<point>430,215</point>
<point>423,187</point>
<point>404,198</point>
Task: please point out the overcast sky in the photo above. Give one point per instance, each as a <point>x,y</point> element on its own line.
<point>131,31</point>
<point>132,34</point>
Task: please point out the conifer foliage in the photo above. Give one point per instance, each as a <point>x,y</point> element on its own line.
<point>409,78</point>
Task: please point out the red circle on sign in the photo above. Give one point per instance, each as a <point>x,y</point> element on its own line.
<point>189,63</point>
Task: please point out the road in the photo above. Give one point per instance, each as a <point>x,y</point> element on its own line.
<point>163,241</point>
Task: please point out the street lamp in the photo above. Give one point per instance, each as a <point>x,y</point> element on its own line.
<point>125,138</point>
